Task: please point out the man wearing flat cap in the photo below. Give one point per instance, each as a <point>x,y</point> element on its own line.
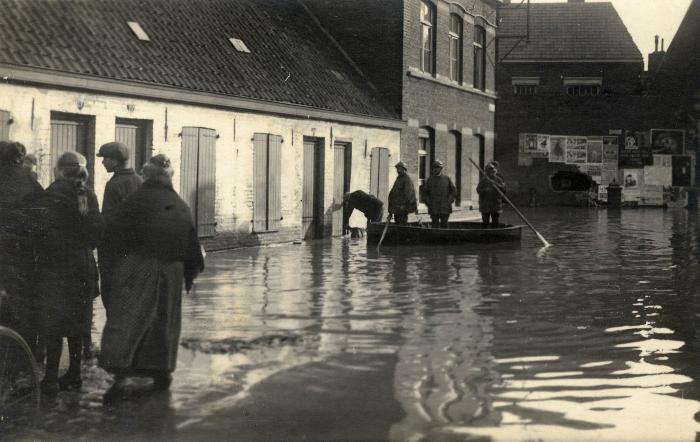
<point>402,197</point>
<point>439,193</point>
<point>123,183</point>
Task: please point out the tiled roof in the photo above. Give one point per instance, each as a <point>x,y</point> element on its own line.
<point>290,60</point>
<point>566,31</point>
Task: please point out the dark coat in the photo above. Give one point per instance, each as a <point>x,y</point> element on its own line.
<point>490,201</point>
<point>123,183</point>
<point>439,193</point>
<point>18,216</point>
<point>369,205</point>
<point>402,197</point>
<point>66,264</point>
<point>155,232</point>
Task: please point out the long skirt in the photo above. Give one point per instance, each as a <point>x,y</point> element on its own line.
<point>143,316</point>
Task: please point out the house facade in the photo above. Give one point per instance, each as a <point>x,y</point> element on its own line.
<point>566,71</point>
<point>432,62</point>
<point>266,121</point>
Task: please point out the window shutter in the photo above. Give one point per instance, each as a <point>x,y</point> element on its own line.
<point>188,168</point>
<point>260,190</point>
<point>4,125</point>
<point>274,200</point>
<point>206,189</point>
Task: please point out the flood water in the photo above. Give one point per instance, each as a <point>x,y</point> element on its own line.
<point>594,338</point>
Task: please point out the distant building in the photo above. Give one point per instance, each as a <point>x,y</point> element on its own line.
<point>267,121</point>
<point>432,62</point>
<point>564,69</point>
<point>677,78</point>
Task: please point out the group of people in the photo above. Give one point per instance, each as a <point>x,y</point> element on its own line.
<point>438,193</point>
<point>147,247</point>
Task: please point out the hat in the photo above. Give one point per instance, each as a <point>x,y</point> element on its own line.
<point>491,166</point>
<point>70,158</point>
<point>160,160</point>
<point>401,164</point>
<point>11,152</point>
<point>157,166</point>
<point>115,150</point>
<point>438,163</point>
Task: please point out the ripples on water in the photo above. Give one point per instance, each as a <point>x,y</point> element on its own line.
<point>594,338</point>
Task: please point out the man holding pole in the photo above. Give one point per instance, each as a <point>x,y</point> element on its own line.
<point>490,200</point>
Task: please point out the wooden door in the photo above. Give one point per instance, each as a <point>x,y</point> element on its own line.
<point>134,135</point>
<point>339,187</point>
<point>4,125</point>
<point>379,175</point>
<point>267,170</point>
<point>312,191</point>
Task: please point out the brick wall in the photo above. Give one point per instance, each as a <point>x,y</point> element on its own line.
<point>31,108</point>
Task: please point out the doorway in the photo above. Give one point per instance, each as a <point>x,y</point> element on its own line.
<point>342,165</point>
<point>312,192</point>
<point>76,133</point>
<point>137,136</point>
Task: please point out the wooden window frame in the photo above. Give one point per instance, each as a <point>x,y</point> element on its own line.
<point>427,37</point>
<point>479,46</point>
<point>456,48</point>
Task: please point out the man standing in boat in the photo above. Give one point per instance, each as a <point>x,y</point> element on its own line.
<point>439,193</point>
<point>402,197</point>
<point>490,200</point>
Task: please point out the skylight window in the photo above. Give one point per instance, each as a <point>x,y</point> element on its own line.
<point>239,45</point>
<point>138,31</point>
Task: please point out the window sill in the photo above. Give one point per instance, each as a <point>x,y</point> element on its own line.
<point>417,73</point>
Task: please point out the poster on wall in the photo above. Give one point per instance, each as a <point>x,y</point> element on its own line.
<point>608,173</point>
<point>576,150</point>
<point>557,149</point>
<point>529,143</point>
<point>535,145</point>
<point>631,184</point>
<point>635,153</point>
<point>594,150</point>
<point>660,172</point>
<point>542,146</point>
<point>611,148</point>
<point>668,141</point>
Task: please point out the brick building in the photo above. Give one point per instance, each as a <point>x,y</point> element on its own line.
<point>432,63</point>
<point>564,69</point>
<point>677,79</point>
<point>266,120</point>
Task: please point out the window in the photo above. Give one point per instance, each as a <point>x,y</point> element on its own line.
<point>138,31</point>
<point>479,58</point>
<point>427,20</point>
<point>456,48</point>
<point>454,156</point>
<point>583,86</point>
<point>267,204</point>
<point>239,45</point>
<point>426,153</point>
<point>525,85</point>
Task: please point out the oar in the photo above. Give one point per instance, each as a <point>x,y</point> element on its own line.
<point>544,241</point>
<point>386,227</point>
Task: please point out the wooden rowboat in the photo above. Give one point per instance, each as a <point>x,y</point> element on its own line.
<point>459,231</point>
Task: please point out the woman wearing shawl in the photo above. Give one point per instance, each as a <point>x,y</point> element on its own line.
<point>157,248</point>
<point>71,229</point>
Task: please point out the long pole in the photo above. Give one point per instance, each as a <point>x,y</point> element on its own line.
<point>544,241</point>
<point>386,226</point>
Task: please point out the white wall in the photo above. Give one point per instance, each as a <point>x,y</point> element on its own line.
<point>234,154</point>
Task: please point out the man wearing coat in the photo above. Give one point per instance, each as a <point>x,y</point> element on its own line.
<point>402,197</point>
<point>123,183</point>
<point>439,193</point>
<point>490,200</point>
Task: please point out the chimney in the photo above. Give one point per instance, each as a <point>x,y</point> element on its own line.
<point>655,58</point>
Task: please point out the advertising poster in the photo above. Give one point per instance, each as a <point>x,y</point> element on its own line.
<point>631,184</point>
<point>576,150</point>
<point>635,153</point>
<point>660,173</point>
<point>557,149</point>
<point>595,170</point>
<point>529,143</point>
<point>542,147</point>
<point>595,150</point>
<point>668,141</point>
<point>608,173</point>
<point>611,149</point>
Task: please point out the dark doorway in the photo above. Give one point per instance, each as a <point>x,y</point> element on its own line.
<point>312,193</point>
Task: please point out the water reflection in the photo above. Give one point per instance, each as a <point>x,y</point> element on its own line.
<point>595,339</point>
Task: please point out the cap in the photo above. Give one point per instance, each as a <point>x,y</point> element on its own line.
<point>491,166</point>
<point>11,152</point>
<point>401,164</point>
<point>115,150</point>
<point>71,158</point>
<point>438,163</point>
